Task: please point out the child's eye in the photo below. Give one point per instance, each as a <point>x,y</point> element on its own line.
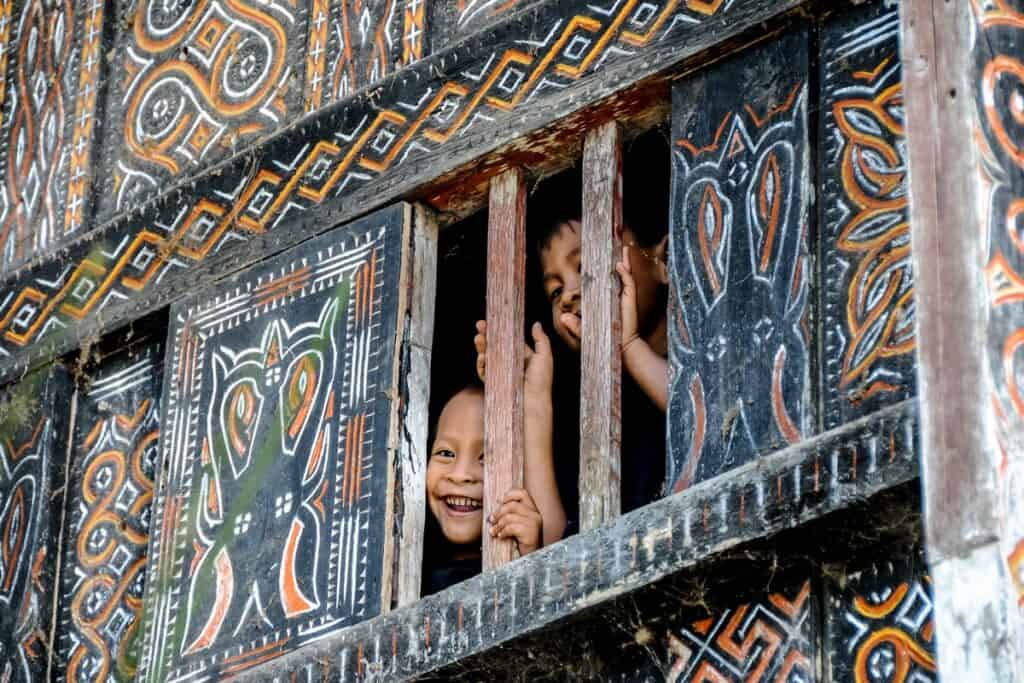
<point>481,458</point>
<point>444,453</point>
<point>555,294</point>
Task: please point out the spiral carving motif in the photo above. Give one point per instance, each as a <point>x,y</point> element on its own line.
<point>202,77</point>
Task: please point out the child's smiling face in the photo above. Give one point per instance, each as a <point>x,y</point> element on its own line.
<point>560,267</point>
<point>455,486</point>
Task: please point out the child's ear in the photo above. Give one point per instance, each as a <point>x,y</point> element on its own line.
<point>661,259</point>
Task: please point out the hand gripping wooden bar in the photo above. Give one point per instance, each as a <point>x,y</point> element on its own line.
<point>600,385</point>
<point>504,442</point>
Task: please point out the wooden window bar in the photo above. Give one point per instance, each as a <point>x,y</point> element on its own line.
<point>601,343</point>
<point>600,394</point>
<point>504,443</point>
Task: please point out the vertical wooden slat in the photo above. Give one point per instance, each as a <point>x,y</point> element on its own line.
<point>978,621</point>
<point>506,311</point>
<point>420,286</point>
<point>600,387</point>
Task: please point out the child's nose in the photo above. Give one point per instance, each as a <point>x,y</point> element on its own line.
<point>465,471</point>
<point>570,298</point>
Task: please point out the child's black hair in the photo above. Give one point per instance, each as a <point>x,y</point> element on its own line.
<point>441,395</point>
<point>646,177</point>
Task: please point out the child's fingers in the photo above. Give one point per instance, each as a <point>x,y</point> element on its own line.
<point>519,495</point>
<point>480,343</point>
<point>513,508</point>
<point>519,526</point>
<point>541,343</point>
<point>626,275</point>
<point>481,366</point>
<point>625,259</point>
<point>481,326</point>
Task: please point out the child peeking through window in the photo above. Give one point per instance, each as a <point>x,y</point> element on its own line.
<point>643,271</point>
<point>532,516</point>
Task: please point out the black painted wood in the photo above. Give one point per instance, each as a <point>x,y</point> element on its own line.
<point>823,475</point>
<point>866,278</point>
<point>436,115</point>
<point>741,343</point>
<point>109,498</point>
<point>274,513</point>
<point>880,618</point>
<point>34,418</point>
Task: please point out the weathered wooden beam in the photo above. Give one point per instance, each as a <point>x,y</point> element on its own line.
<point>419,274</point>
<point>601,382</point>
<point>504,442</point>
<point>820,476</point>
<point>435,116</point>
<point>961,189</point>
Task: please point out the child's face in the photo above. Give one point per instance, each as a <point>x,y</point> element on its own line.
<point>560,266</point>
<point>455,486</point>
<point>560,269</point>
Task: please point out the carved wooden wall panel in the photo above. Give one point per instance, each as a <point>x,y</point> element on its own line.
<point>34,414</point>
<point>198,80</point>
<point>353,44</point>
<point>50,74</point>
<point>880,621</point>
<point>998,83</point>
<point>741,335</point>
<point>109,506</point>
<point>867,282</point>
<point>274,512</point>
<point>438,113</point>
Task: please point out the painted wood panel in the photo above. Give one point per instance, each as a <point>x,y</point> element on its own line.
<point>274,515</point>
<point>880,620</point>
<point>353,44</point>
<point>741,331</point>
<point>773,635</point>
<point>438,114</point>
<point>565,582</point>
<point>867,280</point>
<point>51,68</point>
<point>108,510</point>
<point>197,81</point>
<point>34,415</point>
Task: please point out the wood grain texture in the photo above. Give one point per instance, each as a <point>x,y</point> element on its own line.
<point>421,286</point>
<point>504,445</point>
<point>601,383</point>
<point>839,470</point>
<point>956,430</point>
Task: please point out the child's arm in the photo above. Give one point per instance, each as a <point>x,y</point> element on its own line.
<point>644,365</point>
<point>539,467</point>
<point>519,518</point>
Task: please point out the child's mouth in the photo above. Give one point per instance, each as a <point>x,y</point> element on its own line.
<point>462,505</point>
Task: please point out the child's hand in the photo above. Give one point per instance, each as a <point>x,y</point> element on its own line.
<point>540,364</point>
<point>518,518</point>
<point>630,333</point>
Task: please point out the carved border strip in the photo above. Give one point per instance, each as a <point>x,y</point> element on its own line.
<point>792,487</point>
<point>428,119</point>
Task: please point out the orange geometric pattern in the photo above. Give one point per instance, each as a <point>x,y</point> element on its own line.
<point>308,166</point>
<point>881,625</point>
<point>869,309</point>
<point>200,80</point>
<point>772,639</point>
<point>110,492</point>
<point>998,83</point>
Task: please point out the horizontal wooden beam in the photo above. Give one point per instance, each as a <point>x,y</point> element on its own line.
<point>820,476</point>
<point>426,120</point>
